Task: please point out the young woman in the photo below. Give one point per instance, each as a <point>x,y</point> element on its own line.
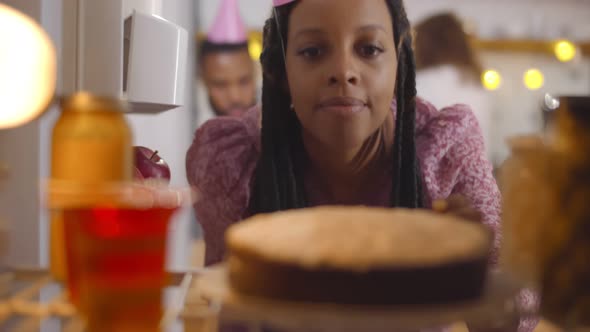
<point>339,123</point>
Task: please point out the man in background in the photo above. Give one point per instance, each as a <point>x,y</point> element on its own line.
<point>227,71</point>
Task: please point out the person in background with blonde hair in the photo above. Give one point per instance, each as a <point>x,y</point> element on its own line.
<point>448,71</point>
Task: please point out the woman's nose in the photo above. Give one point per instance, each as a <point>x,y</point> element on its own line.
<point>344,71</point>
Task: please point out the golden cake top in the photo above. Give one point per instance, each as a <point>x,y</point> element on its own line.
<point>358,238</point>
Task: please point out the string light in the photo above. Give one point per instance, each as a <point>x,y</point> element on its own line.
<point>533,79</point>
<point>565,50</point>
<point>491,79</point>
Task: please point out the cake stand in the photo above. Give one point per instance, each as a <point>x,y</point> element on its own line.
<point>496,307</point>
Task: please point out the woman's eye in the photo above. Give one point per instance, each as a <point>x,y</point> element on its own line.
<point>310,52</point>
<point>370,51</point>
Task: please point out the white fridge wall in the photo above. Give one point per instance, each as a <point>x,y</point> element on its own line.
<point>171,134</point>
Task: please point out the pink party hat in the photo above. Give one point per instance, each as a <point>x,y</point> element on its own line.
<point>278,3</point>
<point>228,27</point>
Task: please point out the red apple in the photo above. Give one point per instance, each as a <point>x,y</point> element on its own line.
<point>149,164</point>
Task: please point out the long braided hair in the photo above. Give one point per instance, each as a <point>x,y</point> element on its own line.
<point>278,179</point>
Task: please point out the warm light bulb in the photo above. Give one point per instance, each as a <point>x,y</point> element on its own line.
<point>491,79</point>
<point>27,67</point>
<point>565,50</point>
<point>255,48</point>
<point>533,79</point>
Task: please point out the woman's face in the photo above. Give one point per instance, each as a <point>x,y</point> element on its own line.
<point>341,68</point>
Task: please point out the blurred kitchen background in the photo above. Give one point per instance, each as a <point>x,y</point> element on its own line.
<point>515,40</point>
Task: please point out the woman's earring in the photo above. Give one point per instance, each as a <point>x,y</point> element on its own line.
<point>291,107</point>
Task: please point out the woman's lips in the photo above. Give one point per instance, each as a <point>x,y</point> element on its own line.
<point>344,106</point>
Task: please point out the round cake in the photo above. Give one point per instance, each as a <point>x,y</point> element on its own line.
<point>358,255</point>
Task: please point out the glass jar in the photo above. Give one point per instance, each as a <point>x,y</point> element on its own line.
<point>91,143</point>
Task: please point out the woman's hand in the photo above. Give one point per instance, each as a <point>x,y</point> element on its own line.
<point>457,205</point>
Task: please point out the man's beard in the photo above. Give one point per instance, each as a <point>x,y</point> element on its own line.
<point>219,112</point>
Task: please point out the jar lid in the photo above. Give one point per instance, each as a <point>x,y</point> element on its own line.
<point>87,102</point>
